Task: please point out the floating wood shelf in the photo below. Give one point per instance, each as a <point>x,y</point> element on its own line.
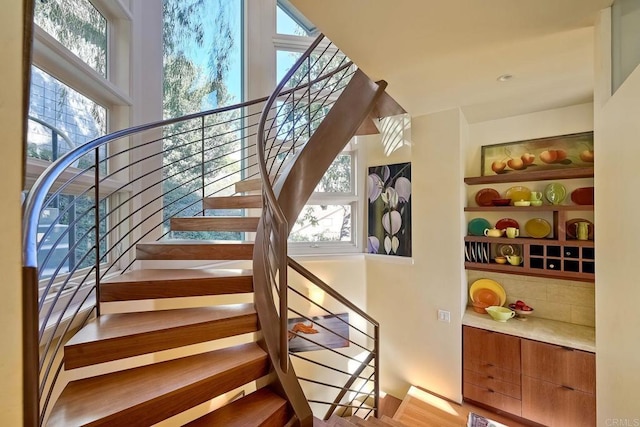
<point>530,241</point>
<point>514,269</point>
<point>544,208</point>
<point>546,175</point>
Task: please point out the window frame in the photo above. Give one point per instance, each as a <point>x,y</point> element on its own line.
<point>110,92</point>
<point>353,198</point>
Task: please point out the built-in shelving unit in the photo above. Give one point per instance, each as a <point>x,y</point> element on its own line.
<point>557,257</point>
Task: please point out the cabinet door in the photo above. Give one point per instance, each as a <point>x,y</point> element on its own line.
<point>559,365</point>
<point>554,405</point>
<point>491,348</point>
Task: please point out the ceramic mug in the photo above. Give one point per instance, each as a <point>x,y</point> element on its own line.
<point>513,232</point>
<point>493,232</point>
<point>514,259</point>
<point>536,196</point>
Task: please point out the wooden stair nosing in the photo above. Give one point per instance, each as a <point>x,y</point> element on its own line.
<point>166,250</point>
<point>175,283</point>
<point>149,394</point>
<point>215,223</point>
<point>262,408</point>
<point>118,336</point>
<point>233,202</point>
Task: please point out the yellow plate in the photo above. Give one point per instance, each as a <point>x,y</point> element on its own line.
<point>518,193</point>
<point>489,284</point>
<point>537,228</point>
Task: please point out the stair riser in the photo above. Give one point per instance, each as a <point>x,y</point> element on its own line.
<point>214,224</point>
<point>124,291</point>
<point>240,251</point>
<point>86,354</point>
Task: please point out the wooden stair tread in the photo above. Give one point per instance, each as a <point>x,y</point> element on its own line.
<point>392,422</point>
<point>195,250</point>
<point>175,283</point>
<point>336,421</point>
<point>149,394</point>
<point>251,184</point>
<point>116,336</point>
<point>233,202</point>
<point>262,408</point>
<point>215,223</point>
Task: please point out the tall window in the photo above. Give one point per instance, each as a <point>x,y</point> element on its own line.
<point>68,34</point>
<point>202,69</point>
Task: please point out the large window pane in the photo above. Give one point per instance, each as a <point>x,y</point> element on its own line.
<point>202,55</point>
<point>338,178</point>
<point>323,223</point>
<point>72,118</point>
<point>78,26</point>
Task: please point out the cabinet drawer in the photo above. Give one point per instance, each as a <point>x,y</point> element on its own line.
<point>491,383</point>
<point>559,365</point>
<point>488,370</point>
<point>491,398</point>
<point>553,405</point>
<point>492,348</point>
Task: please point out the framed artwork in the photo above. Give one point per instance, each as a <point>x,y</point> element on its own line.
<point>557,152</point>
<point>389,189</point>
<point>305,335</point>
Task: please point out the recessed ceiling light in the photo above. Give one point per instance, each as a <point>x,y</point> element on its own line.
<point>505,77</point>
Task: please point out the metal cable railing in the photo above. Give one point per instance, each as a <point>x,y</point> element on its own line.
<point>88,210</point>
<point>342,375</point>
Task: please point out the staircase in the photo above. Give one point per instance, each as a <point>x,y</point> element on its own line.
<point>128,331</point>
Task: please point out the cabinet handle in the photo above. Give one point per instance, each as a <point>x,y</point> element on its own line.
<point>490,365</point>
<point>490,377</point>
<point>566,387</point>
<point>490,391</point>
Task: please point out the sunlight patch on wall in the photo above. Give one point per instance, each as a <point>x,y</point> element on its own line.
<point>396,132</point>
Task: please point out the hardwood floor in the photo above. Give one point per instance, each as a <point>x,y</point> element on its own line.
<point>423,409</point>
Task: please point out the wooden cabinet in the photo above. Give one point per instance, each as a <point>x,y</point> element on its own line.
<point>556,256</point>
<point>491,373</point>
<point>545,383</point>
<point>558,385</point>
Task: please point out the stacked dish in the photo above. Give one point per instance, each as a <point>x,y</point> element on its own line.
<point>487,291</point>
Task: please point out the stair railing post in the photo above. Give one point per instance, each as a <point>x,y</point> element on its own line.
<point>96,184</point>
<point>283,264</point>
<point>376,375</point>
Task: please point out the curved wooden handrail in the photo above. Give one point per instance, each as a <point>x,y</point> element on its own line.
<point>285,200</point>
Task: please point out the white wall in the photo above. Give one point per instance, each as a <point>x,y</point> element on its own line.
<point>617,292</point>
<point>11,122</point>
<point>403,296</point>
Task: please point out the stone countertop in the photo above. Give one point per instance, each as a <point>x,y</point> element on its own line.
<point>549,331</point>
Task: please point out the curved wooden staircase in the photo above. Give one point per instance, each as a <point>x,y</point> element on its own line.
<point>207,346</point>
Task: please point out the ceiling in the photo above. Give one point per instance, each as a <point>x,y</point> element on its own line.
<point>437,55</point>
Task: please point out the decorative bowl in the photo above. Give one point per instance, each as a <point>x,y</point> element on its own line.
<point>500,314</point>
<point>479,307</point>
<point>521,314</point>
<point>522,203</point>
<point>501,202</point>
<point>500,260</point>
<point>486,296</point>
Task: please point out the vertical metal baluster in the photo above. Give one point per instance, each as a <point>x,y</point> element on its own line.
<point>376,377</point>
<point>202,162</point>
<point>96,184</point>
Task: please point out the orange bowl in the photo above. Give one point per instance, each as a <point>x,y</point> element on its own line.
<point>479,307</point>
<point>486,296</point>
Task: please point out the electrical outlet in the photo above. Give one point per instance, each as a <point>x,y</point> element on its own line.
<point>444,316</point>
